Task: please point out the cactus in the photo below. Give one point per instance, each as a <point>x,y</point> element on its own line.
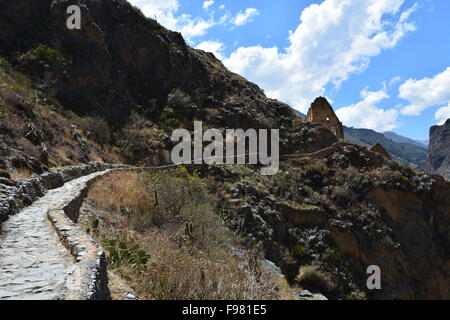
<point>190,230</point>
<point>156,198</point>
<point>95,224</point>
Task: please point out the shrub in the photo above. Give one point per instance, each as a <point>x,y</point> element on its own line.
<point>311,278</point>
<point>47,53</point>
<point>179,110</point>
<point>333,257</point>
<point>124,252</point>
<point>300,251</point>
<point>191,250</point>
<point>97,129</point>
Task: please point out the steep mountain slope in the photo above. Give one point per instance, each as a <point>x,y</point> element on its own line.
<point>36,133</point>
<point>336,211</point>
<point>407,153</point>
<point>401,139</point>
<point>122,64</point>
<point>438,160</point>
<point>300,114</point>
<point>110,68</point>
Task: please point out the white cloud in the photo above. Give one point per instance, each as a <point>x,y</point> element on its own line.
<point>366,114</point>
<point>333,40</point>
<point>443,114</point>
<point>426,93</point>
<point>394,80</point>
<point>165,12</point>
<point>215,47</point>
<point>245,17</point>
<point>207,4</point>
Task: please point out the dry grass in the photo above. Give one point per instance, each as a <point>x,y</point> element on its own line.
<point>191,252</point>
<point>21,173</point>
<point>175,273</point>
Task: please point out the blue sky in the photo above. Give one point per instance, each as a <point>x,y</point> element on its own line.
<point>383,64</point>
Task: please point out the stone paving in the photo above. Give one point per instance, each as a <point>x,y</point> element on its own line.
<point>33,263</point>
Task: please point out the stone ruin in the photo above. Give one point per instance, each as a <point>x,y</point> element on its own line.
<point>378,148</point>
<point>322,112</point>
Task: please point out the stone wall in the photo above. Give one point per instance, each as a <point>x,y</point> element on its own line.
<point>17,195</point>
<point>88,279</point>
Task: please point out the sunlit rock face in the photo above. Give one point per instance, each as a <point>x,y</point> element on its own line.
<point>439,151</point>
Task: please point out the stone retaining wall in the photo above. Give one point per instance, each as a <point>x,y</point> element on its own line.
<point>23,193</point>
<point>88,279</point>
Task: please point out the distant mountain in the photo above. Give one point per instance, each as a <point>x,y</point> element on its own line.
<point>301,115</point>
<point>424,142</point>
<point>407,153</point>
<point>438,160</point>
<point>401,139</point>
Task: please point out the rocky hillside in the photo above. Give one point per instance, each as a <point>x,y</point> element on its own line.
<point>130,71</point>
<point>438,160</point>
<point>114,91</point>
<point>324,219</point>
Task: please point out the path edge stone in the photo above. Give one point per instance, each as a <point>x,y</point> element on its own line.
<point>25,192</point>
<point>89,276</point>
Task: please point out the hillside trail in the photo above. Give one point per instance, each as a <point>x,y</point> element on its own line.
<point>34,265</point>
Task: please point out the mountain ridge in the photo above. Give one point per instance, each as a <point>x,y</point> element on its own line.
<point>116,90</point>
<point>402,139</point>
<point>407,153</point>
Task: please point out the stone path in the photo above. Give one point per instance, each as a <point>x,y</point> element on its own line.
<point>33,263</point>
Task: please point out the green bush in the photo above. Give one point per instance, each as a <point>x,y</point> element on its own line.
<point>179,110</point>
<point>311,278</point>
<point>49,54</point>
<point>333,257</point>
<point>300,251</point>
<point>123,252</point>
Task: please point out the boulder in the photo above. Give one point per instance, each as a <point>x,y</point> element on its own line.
<point>7,182</point>
<point>5,174</point>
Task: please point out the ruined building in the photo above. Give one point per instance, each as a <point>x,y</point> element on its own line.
<point>378,148</point>
<point>322,112</point>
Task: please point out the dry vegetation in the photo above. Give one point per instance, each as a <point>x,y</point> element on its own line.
<point>163,237</point>
<point>31,123</point>
<point>21,173</point>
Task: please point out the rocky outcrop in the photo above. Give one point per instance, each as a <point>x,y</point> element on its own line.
<point>121,58</point>
<point>438,160</point>
<point>341,211</point>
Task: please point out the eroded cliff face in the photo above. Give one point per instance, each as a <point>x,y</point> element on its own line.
<point>343,212</point>
<point>420,267</point>
<point>122,64</point>
<point>120,60</point>
<point>439,151</point>
<point>340,212</point>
